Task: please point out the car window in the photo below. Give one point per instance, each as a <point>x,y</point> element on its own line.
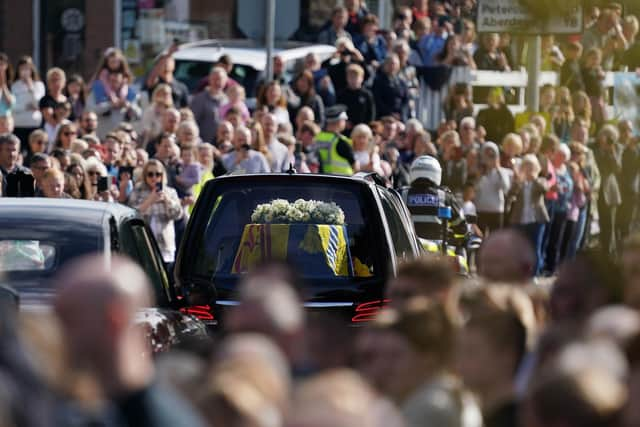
<point>26,255</point>
<point>143,251</point>
<point>399,233</point>
<point>221,247</point>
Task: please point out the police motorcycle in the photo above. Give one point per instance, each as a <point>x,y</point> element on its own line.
<point>437,215</point>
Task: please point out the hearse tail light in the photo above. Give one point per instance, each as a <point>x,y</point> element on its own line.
<point>367,311</point>
<point>202,312</point>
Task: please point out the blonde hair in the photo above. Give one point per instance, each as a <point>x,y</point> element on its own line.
<point>56,70</point>
<point>153,163</point>
<point>93,164</point>
<point>362,129</point>
<point>78,146</point>
<point>531,160</point>
<point>163,90</point>
<point>513,140</point>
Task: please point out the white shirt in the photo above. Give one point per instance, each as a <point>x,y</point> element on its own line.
<point>52,132</point>
<point>26,112</point>
<point>528,212</point>
<point>491,189</point>
<point>279,156</point>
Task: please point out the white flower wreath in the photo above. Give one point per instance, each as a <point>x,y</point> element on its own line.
<point>280,211</point>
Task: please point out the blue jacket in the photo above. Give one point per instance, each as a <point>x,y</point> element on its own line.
<point>371,52</point>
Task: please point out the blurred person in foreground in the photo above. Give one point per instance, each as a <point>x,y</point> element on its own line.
<point>590,281</point>
<point>507,256</point>
<point>431,277</point>
<point>340,398</point>
<point>97,309</point>
<point>407,355</point>
<point>248,384</point>
<point>491,348</point>
<point>589,395</point>
<point>630,261</point>
<point>269,305</point>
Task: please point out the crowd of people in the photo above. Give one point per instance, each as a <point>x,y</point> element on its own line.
<point>546,187</point>
<point>495,351</point>
<point>561,175</point>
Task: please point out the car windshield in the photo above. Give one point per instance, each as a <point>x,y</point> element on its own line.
<point>324,246</point>
<point>191,73</point>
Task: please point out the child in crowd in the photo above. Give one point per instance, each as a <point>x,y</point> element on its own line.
<point>113,61</point>
<point>236,95</point>
<point>191,171</point>
<point>593,76</point>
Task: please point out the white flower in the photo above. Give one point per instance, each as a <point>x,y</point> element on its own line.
<point>301,211</point>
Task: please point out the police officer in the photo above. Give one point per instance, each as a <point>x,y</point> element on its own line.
<point>333,149</point>
<point>424,197</point>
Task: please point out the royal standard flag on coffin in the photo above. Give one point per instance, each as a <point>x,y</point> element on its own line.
<point>320,248</point>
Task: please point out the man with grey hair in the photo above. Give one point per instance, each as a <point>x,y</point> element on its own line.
<point>97,301</point>
<point>206,105</point>
<point>9,155</point>
<point>468,134</point>
<point>170,123</point>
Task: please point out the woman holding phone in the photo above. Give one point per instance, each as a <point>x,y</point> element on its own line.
<point>159,205</point>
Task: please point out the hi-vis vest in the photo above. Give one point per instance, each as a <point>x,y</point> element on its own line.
<point>331,161</point>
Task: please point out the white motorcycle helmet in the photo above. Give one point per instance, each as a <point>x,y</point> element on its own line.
<point>426,167</point>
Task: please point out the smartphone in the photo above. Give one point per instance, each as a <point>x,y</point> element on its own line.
<point>159,186</point>
<point>103,184</point>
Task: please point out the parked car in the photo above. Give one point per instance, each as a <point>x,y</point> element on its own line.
<point>38,236</point>
<point>378,233</point>
<point>194,60</point>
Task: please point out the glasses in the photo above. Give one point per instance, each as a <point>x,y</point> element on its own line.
<point>38,142</point>
<point>69,133</point>
<point>93,173</point>
<point>154,174</point>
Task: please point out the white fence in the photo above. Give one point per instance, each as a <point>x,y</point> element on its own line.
<point>430,110</point>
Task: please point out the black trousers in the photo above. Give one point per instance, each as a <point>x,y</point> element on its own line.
<point>490,221</point>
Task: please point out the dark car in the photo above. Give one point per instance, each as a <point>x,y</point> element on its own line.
<point>38,236</point>
<point>377,225</point>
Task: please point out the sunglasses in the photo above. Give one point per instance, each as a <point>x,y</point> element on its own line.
<point>92,173</point>
<point>69,133</point>
<point>154,174</point>
<point>39,142</point>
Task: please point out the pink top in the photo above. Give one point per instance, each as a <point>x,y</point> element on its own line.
<point>241,106</point>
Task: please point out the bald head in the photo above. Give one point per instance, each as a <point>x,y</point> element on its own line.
<point>507,256</point>
<point>96,301</point>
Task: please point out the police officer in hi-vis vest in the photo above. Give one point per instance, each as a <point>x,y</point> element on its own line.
<point>334,150</point>
<point>424,197</point>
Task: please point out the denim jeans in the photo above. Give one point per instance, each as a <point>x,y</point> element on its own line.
<point>535,233</point>
<point>577,236</point>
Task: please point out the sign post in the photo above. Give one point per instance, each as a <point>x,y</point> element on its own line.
<point>270,24</point>
<point>498,16</point>
<point>534,63</point>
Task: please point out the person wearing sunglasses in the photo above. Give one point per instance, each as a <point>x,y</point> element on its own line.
<point>95,170</point>
<point>159,205</point>
<point>37,143</point>
<point>67,132</point>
